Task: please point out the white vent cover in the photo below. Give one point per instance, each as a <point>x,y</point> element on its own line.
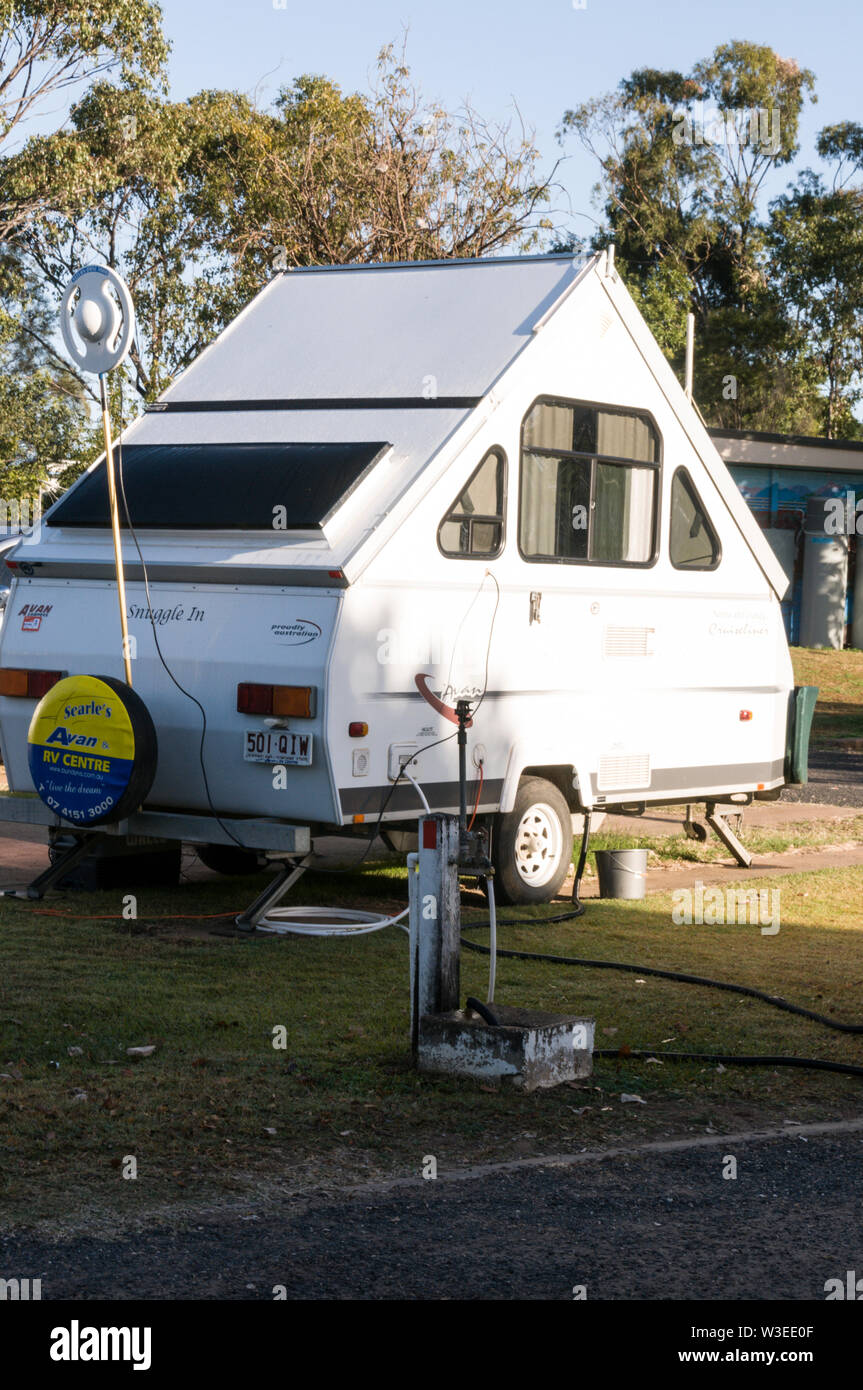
<point>623,772</point>
<point>628,642</point>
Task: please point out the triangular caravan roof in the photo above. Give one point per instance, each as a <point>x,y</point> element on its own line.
<point>447,331</point>
<point>380,332</point>
<point>400,352</point>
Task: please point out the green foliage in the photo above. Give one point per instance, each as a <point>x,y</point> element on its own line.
<point>194,201</point>
<point>684,158</point>
<point>47,50</point>
<point>816,237</point>
<point>44,422</point>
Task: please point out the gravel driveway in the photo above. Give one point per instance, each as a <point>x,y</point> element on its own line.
<point>632,1226</point>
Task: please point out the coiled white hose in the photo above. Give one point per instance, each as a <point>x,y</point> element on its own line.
<point>309,921</point>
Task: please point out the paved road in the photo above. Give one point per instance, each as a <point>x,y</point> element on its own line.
<point>833,777</point>
<point>643,1225</point>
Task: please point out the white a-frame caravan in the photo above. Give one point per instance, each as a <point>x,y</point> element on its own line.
<point>385,488</point>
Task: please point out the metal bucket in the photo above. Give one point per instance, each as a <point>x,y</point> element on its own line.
<point>621,872</point>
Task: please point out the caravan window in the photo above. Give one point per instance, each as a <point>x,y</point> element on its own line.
<point>589,484</point>
<point>473,527</point>
<point>693,543</point>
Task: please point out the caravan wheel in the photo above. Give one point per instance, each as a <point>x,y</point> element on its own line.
<point>532,844</point>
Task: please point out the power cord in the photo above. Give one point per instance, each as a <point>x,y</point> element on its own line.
<point>182,689</point>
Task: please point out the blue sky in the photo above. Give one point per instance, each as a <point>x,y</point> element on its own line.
<point>546,56</point>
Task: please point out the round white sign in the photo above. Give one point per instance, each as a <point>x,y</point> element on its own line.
<point>97,317</point>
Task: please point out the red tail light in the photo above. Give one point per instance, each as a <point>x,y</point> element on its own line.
<point>27,685</point>
<point>284,701</point>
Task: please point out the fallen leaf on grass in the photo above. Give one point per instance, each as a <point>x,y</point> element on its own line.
<point>140,1051</point>
<point>625,1097</point>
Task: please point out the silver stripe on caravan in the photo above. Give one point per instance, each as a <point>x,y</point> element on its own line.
<point>160,572</point>
<point>701,779</point>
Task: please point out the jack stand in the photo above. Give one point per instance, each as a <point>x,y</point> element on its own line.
<point>37,889</point>
<point>692,829</point>
<point>272,894</point>
<point>727,835</point>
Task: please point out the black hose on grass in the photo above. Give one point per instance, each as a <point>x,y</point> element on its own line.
<point>774,999</point>
<point>732,1059</point>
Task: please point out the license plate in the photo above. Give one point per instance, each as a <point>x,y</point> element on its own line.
<point>277,746</point>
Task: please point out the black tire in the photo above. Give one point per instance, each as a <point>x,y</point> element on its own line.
<point>230,860</point>
<point>532,844</point>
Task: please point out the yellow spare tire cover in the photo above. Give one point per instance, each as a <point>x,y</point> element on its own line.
<point>92,749</point>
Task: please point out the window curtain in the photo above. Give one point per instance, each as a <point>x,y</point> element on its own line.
<point>539,480</point>
<point>624,437</point>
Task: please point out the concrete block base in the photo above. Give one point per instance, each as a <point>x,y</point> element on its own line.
<point>530,1049</point>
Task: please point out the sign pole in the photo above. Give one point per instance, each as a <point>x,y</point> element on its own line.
<point>97,319</point>
<point>115,528</point>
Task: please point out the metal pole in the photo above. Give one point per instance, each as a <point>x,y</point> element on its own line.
<point>462,709</point>
<point>690,354</point>
<point>115,528</point>
<point>435,921</point>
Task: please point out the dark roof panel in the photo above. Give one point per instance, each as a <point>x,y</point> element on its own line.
<point>223,487</point>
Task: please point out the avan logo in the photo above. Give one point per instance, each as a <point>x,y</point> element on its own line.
<point>296,634</point>
<point>66,738</point>
<point>31,615</point>
<point>77,1343</point>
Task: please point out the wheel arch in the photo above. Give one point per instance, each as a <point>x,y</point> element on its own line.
<point>533,762</point>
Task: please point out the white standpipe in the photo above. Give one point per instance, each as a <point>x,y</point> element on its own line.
<point>492,941</point>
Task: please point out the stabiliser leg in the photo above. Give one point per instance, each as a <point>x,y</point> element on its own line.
<point>272,894</point>
<point>727,836</point>
<point>40,885</point>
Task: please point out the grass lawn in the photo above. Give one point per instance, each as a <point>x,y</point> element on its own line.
<point>217,1114</point>
<point>839,677</point>
<point>672,849</point>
